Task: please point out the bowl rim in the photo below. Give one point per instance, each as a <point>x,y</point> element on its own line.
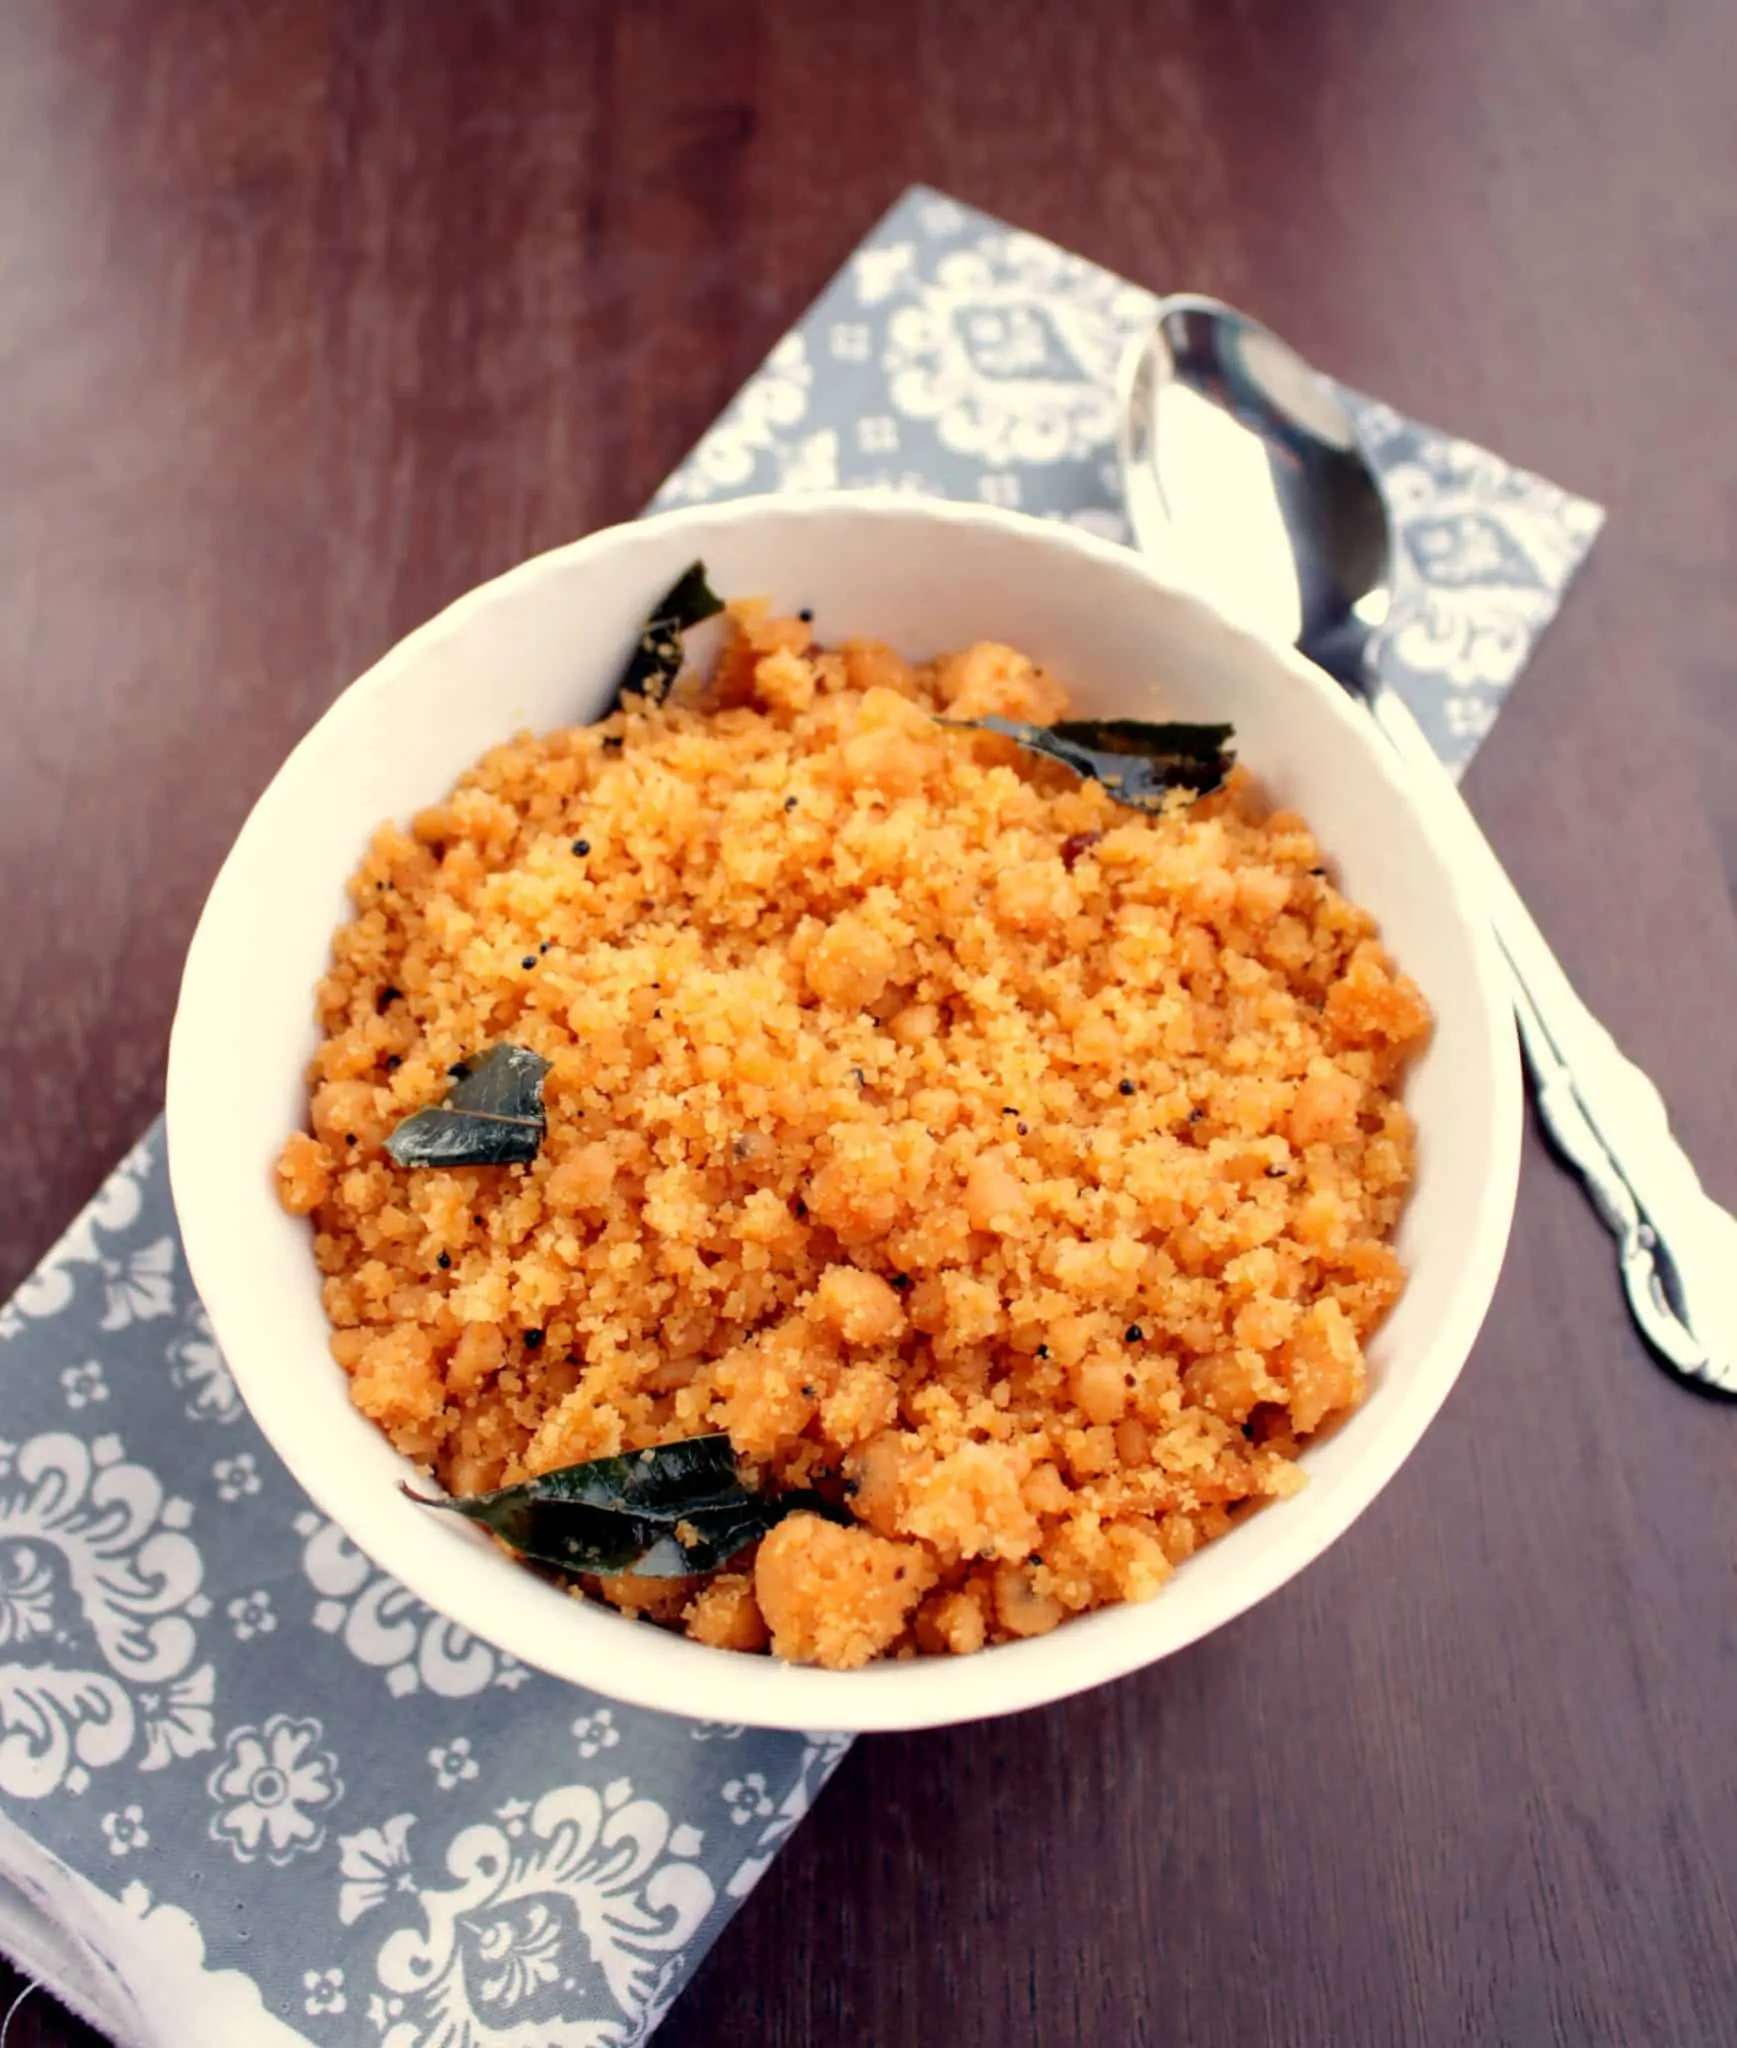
<point>758,1691</point>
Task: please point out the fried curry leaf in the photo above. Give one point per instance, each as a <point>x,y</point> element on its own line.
<point>492,1116</point>
<point>1138,762</point>
<point>657,660</point>
<point>676,1511</point>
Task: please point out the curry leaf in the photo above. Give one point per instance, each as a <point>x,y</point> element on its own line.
<point>492,1116</point>
<point>1138,762</point>
<point>656,660</point>
<point>675,1511</point>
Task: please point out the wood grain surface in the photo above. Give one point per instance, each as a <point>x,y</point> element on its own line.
<point>313,314</point>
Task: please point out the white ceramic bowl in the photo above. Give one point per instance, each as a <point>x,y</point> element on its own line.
<point>540,647</point>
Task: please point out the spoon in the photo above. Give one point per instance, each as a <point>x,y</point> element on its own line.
<point>1242,465</point>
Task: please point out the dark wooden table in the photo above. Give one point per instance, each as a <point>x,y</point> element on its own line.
<point>313,314</point>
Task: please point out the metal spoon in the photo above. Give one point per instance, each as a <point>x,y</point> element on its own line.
<point>1242,465</point>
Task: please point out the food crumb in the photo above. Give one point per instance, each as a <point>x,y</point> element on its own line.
<point>836,1596</point>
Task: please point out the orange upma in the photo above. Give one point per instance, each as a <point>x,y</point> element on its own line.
<point>1011,1168</point>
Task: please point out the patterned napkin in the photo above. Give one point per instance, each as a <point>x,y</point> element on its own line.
<point>251,1792</point>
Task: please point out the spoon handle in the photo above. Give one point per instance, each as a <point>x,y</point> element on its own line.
<point>1676,1247</point>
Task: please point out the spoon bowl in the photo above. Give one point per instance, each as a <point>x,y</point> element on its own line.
<point>1241,454</point>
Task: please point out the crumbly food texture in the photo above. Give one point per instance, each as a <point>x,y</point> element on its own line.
<point>1014,1168</point>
